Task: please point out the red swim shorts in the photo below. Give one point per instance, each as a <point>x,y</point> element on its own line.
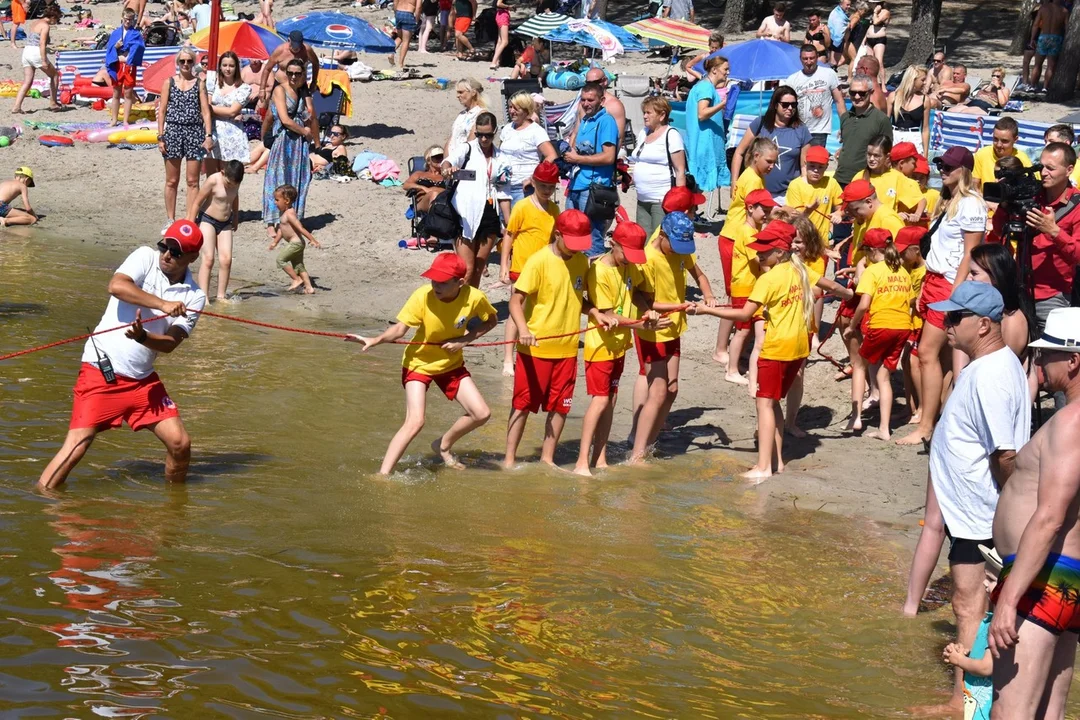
<point>935,289</point>
<point>125,76</point>
<point>602,376</point>
<point>100,405</point>
<point>884,345</point>
<point>462,24</point>
<point>775,377</point>
<point>914,338</point>
<point>449,382</point>
<point>727,251</point>
<point>848,307</point>
<point>544,382</point>
<point>738,303</point>
<point>650,352</point>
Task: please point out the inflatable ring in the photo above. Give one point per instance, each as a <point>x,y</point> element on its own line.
<point>55,141</point>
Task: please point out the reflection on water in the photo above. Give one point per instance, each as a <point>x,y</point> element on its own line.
<point>284,580</point>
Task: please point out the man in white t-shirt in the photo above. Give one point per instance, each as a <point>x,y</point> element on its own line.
<point>200,15</point>
<point>117,382</point>
<point>986,420</point>
<point>818,90</point>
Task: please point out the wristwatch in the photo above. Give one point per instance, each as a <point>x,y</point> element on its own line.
<point>142,338</point>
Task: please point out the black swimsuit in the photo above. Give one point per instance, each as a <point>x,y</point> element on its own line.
<point>218,225</point>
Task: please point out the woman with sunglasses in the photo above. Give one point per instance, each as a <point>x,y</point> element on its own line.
<point>294,129</point>
<point>992,95</point>
<point>228,95</point>
<point>333,149</point>
<point>782,125</point>
<point>185,131</point>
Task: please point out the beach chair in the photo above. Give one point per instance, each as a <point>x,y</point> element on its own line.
<point>511,88</point>
<point>632,90</point>
<point>328,108</point>
<point>561,118</point>
<point>416,163</point>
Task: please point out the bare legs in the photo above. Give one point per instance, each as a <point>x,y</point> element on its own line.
<point>425,33</point>
<point>595,430</point>
<point>931,538</point>
<point>933,378</point>
<point>515,428</point>
<point>504,40</point>
<point>476,414</point>
<point>28,82</point>
<point>222,244</point>
<point>663,387</point>
<point>770,422</point>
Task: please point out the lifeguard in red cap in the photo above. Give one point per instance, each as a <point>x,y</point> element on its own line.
<point>441,312</point>
<point>117,382</point>
<point>785,291</point>
<point>818,195</point>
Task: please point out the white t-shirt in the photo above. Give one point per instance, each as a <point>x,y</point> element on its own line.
<point>519,149</point>
<point>129,358</point>
<point>201,15</point>
<point>652,175</point>
<point>459,131</point>
<point>815,97</point>
<point>988,410</point>
<point>947,242</point>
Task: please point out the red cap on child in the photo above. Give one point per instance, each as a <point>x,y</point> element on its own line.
<point>445,266</point>
<point>922,165</point>
<point>908,236</point>
<point>631,238</point>
<point>187,234</point>
<point>777,235</point>
<point>877,238</point>
<point>681,199</point>
<point>760,197</point>
<point>546,172</point>
<point>575,228</point>
<point>903,151</point>
<point>857,190</point>
<point>817,154</point>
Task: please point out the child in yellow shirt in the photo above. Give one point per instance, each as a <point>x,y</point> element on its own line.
<point>818,196</point>
<point>441,313</point>
<point>763,157</point>
<point>908,243</point>
<point>932,196</point>
<point>895,191</point>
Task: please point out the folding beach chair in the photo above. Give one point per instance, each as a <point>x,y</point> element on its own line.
<point>328,108</point>
<point>511,88</point>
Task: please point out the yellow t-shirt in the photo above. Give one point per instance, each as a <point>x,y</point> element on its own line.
<point>748,182</point>
<point>818,265</point>
<point>665,279</point>
<point>917,276</point>
<point>744,265</point>
<point>779,291</point>
<point>610,288</point>
<point>932,197</point>
<point>883,218</point>
<point>827,192</point>
<point>985,160</point>
<point>1075,177</point>
<point>531,228</point>
<point>553,307</point>
<point>895,191</point>
<point>890,296</point>
<point>437,322</point>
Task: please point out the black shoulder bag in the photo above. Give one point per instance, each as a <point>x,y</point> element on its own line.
<point>603,199</point>
<point>442,219</point>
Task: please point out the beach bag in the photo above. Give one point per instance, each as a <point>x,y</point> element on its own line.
<point>443,220</point>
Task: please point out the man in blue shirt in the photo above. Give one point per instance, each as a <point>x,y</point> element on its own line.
<point>838,27</point>
<point>596,145</point>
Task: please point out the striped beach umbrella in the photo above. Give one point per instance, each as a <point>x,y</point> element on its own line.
<point>541,24</point>
<point>671,32</point>
<point>246,39</point>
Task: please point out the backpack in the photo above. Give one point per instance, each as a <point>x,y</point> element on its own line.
<point>442,219</point>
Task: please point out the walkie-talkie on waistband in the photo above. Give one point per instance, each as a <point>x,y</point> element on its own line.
<point>104,364</point>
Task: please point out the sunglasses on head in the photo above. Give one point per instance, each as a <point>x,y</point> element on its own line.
<point>858,93</point>
<point>787,105</point>
<point>164,247</point>
<point>954,317</point>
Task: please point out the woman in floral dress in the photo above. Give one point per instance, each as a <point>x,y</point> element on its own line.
<point>228,95</point>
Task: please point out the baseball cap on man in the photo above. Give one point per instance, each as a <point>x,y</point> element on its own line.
<point>777,235</point>
<point>908,236</point>
<point>857,190</point>
<point>296,38</point>
<point>681,199</point>
<point>546,172</point>
<point>1062,331</point>
<point>983,299</point>
<point>631,238</point>
<point>445,266</point>
<point>955,157</point>
<point>760,197</point>
<point>876,238</point>
<point>680,232</point>
<point>903,151</point>
<point>186,234</point>
<point>27,173</point>
<point>817,154</point>
<point>576,230</point>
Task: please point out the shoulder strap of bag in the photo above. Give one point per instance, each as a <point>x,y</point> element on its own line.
<point>1070,205</point>
<point>670,164</point>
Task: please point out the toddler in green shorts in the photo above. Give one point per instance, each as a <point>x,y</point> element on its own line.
<point>291,257</point>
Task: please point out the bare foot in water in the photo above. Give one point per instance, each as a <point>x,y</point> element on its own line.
<point>795,431</point>
<point>757,475</point>
<point>914,438</point>
<point>448,458</point>
<point>879,434</point>
<point>854,424</point>
<point>508,369</point>
<point>582,470</point>
<point>722,358</point>
<point>943,710</point>
<point>736,378</point>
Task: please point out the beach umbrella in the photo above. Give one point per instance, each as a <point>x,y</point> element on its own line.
<point>334,29</point>
<point>541,24</point>
<point>671,32</point>
<point>246,39</point>
<point>155,76</point>
<point>756,60</point>
<point>575,32</point>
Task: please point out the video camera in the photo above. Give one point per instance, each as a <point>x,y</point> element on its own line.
<point>1014,189</point>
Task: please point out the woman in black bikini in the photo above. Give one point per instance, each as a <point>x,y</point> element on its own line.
<point>817,34</point>
<point>876,38</point>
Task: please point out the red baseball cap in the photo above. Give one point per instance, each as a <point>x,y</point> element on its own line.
<point>817,154</point>
<point>546,172</point>
<point>445,266</point>
<point>877,238</point>
<point>908,236</point>
<point>187,234</point>
<point>776,235</point>
<point>631,238</point>
<point>903,151</point>
<point>681,199</point>
<point>922,165</point>
<point>575,228</point>
<point>857,190</point>
<point>760,197</point>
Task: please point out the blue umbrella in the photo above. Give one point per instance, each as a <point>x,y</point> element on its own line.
<point>630,42</point>
<point>337,30</point>
<point>756,60</point>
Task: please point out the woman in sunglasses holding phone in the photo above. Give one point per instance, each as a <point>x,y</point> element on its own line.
<point>781,124</point>
<point>185,131</point>
<point>294,130</point>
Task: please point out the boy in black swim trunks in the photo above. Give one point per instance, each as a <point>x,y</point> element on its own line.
<point>214,210</point>
<point>11,189</point>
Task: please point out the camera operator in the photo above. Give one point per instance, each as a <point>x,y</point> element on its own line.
<point>1054,228</point>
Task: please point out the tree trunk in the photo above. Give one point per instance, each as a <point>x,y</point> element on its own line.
<point>925,15</point>
<point>1022,32</point>
<point>734,15</point>
<point>1063,83</point>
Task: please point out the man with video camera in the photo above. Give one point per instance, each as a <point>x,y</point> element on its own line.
<point>1051,228</point>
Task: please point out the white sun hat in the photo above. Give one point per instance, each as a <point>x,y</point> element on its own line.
<point>1062,331</point>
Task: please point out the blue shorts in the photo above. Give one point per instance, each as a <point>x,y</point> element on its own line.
<point>4,209</point>
<point>405,21</point>
<point>1049,45</point>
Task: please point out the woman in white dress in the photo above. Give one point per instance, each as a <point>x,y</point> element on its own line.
<point>470,93</point>
<point>658,162</point>
<point>228,95</point>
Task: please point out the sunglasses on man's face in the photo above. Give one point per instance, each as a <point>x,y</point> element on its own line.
<point>487,135</point>
<point>858,93</point>
<point>996,77</point>
<point>955,317</point>
<point>164,247</point>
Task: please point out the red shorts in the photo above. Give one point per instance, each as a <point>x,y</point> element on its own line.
<point>502,18</point>
<point>848,307</point>
<point>602,376</point>
<point>100,405</point>
<point>775,377</point>
<point>125,76</point>
<point>462,24</point>
<point>727,250</point>
<point>738,303</point>
<point>914,338</point>
<point>935,288</point>
<point>650,352</point>
<point>514,276</point>
<point>884,345</point>
<point>449,382</point>
<point>544,382</point>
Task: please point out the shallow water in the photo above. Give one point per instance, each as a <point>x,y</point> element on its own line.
<point>284,580</point>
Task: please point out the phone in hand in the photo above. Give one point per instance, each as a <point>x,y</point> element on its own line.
<point>464,175</point>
